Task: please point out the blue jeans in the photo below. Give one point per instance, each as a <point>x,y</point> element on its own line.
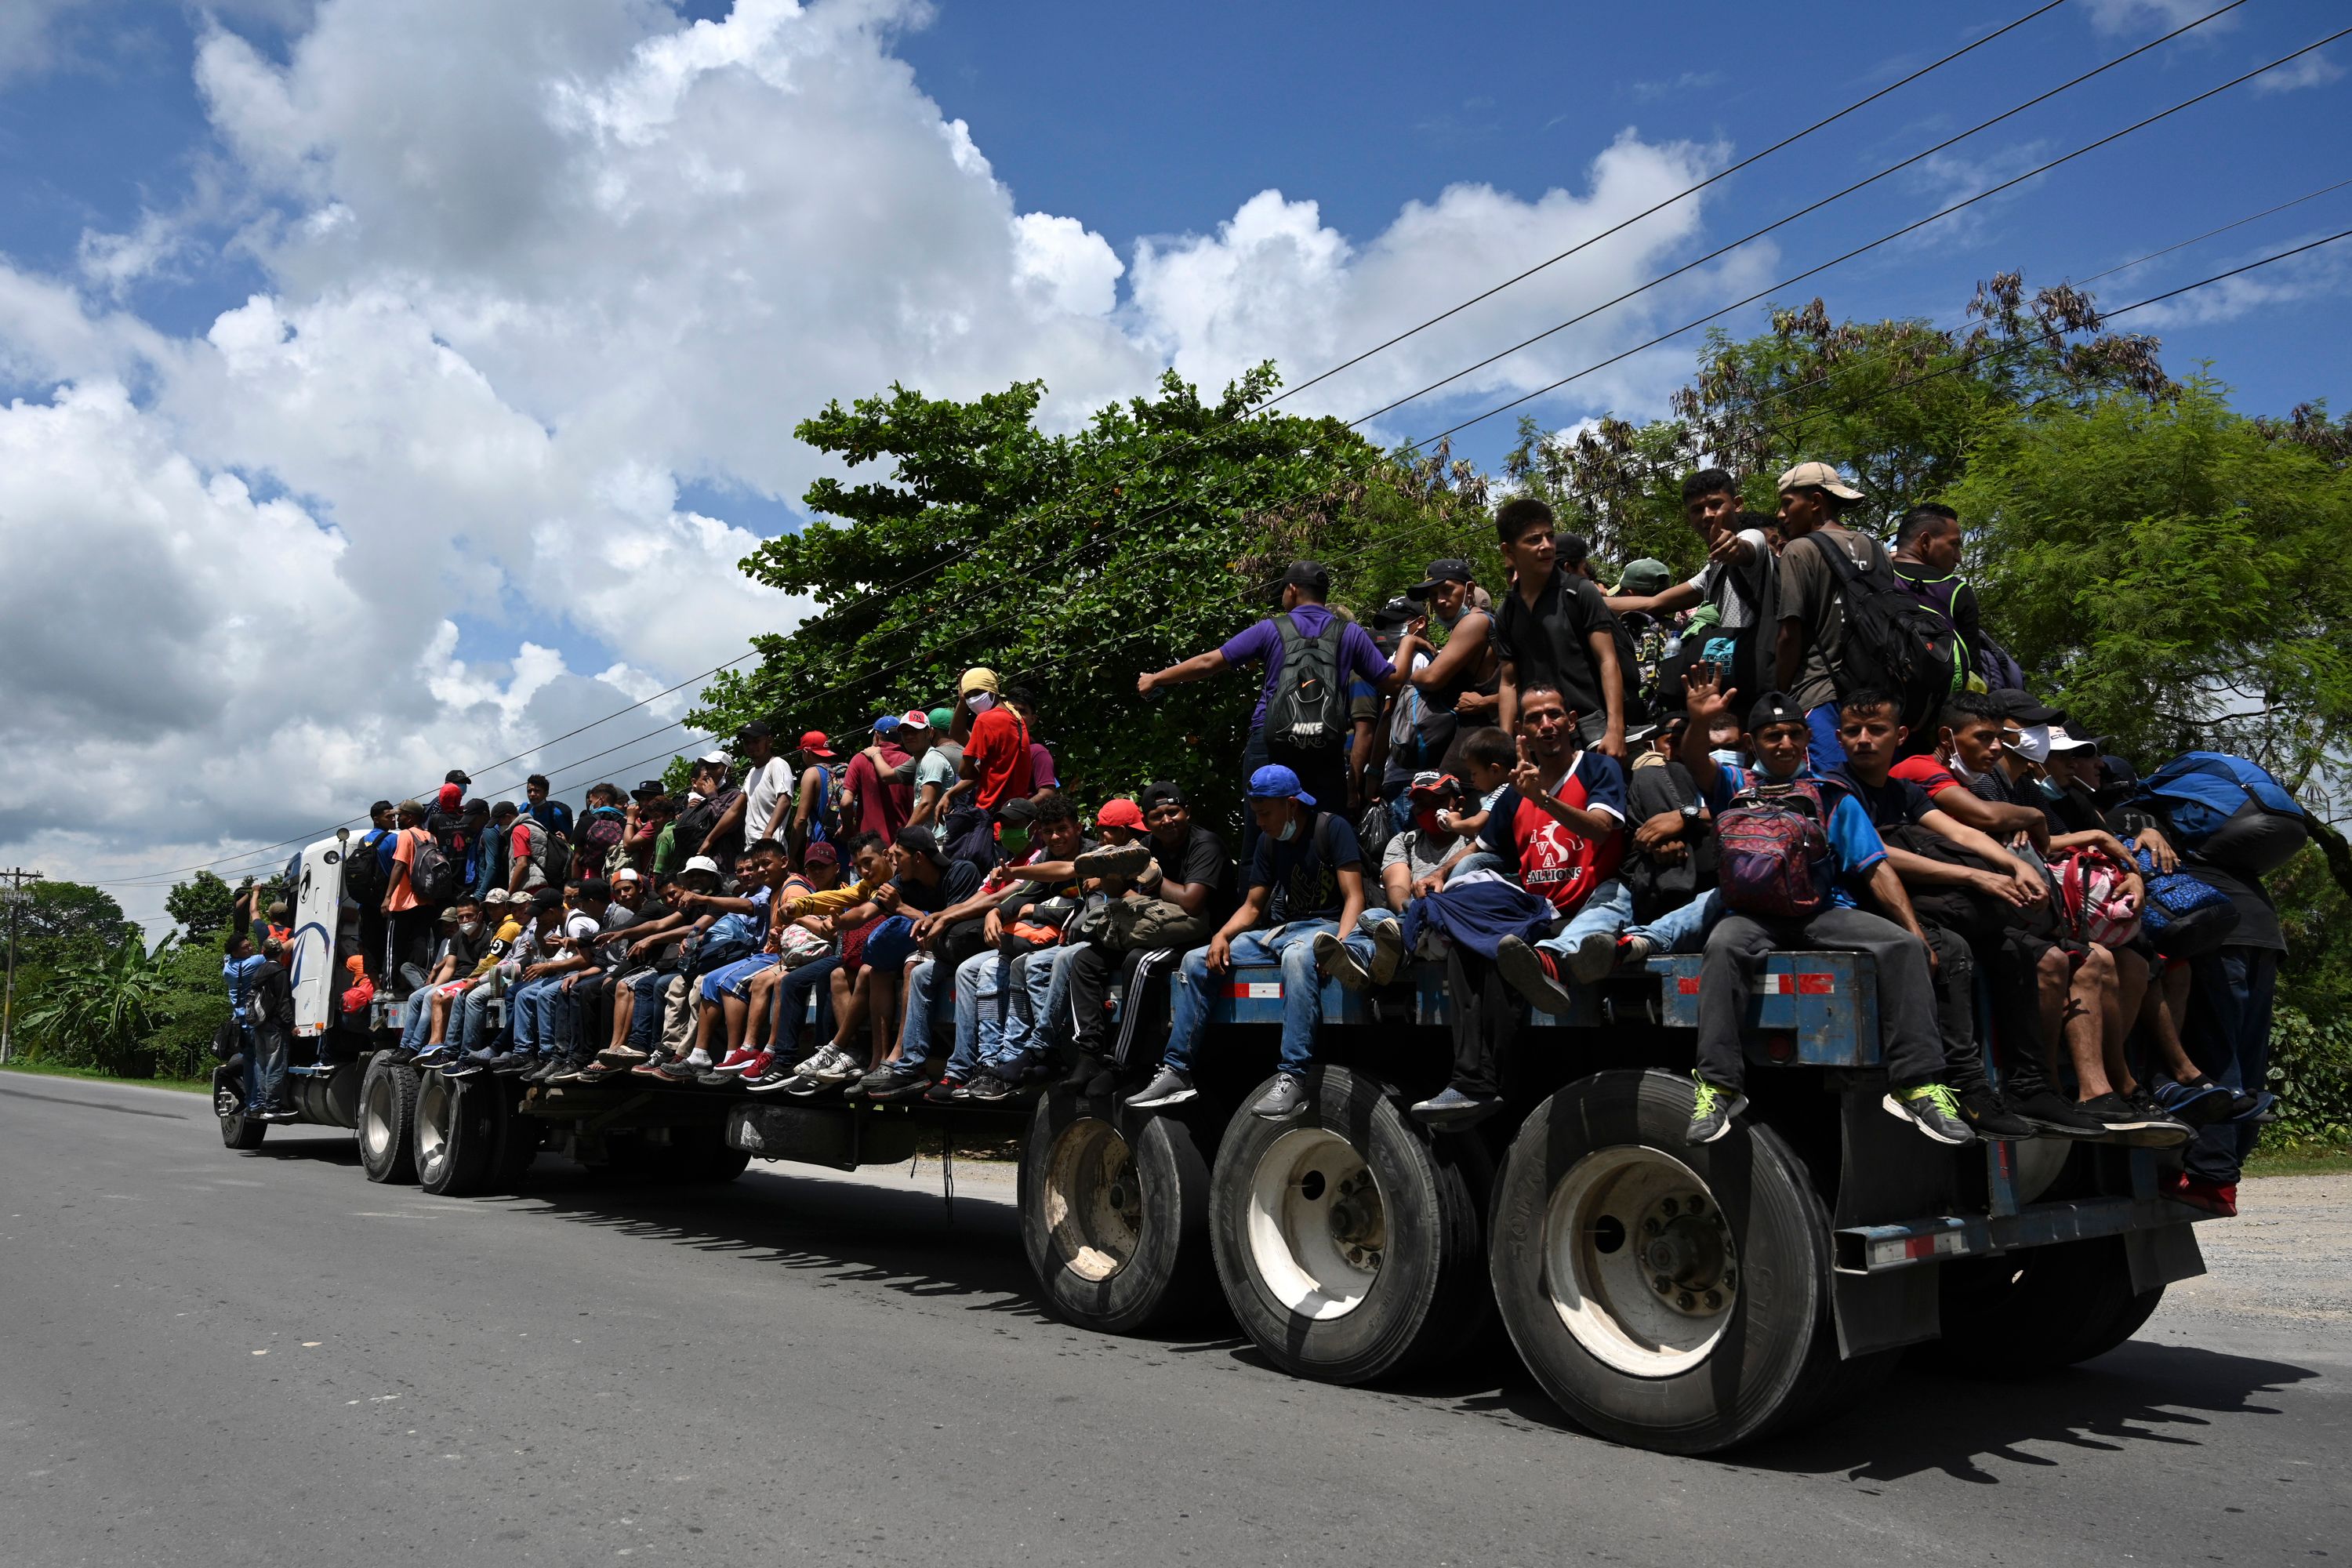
<point>891,944</point>
<point>416,1019</point>
<point>646,1012</point>
<point>1608,909</point>
<point>1292,947</point>
<point>792,996</point>
<point>1828,751</point>
<point>538,1011</point>
<point>2228,1035</point>
<point>1045,987</point>
<point>1683,930</point>
<point>474,1021</point>
<point>927,1000</point>
<point>983,995</point>
<point>267,1048</point>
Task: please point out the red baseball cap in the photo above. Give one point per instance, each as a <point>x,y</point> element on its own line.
<point>817,743</point>
<point>1120,813</point>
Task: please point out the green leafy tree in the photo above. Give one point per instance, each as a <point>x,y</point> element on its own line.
<point>98,1010</point>
<point>2174,577</point>
<point>1068,562</point>
<point>66,921</point>
<point>1902,404</point>
<point>200,905</point>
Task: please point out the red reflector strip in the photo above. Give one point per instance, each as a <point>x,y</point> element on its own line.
<point>1256,991</point>
<point>1816,984</point>
<point>1687,985</point>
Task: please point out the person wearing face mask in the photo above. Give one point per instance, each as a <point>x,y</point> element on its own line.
<point>460,948</point>
<point>1421,851</point>
<point>1306,876</point>
<point>1968,746</point>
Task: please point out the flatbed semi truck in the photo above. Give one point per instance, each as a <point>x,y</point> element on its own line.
<point>1679,1297</point>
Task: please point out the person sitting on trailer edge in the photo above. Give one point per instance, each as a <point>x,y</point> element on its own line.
<point>1175,904</point>
<point>1308,877</point>
<point>1793,851</point>
<point>1951,859</point>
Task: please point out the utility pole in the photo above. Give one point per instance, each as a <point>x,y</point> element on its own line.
<point>14,896</point>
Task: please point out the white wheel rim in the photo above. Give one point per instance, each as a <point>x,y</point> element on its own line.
<point>1318,1223</point>
<point>1094,1200</point>
<point>1639,1261</point>
<point>375,1120</point>
<point>434,1102</point>
<point>227,1104</point>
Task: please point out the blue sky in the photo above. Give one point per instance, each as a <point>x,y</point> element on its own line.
<point>466,341</point>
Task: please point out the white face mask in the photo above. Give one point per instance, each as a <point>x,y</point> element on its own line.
<point>1961,770</point>
<point>979,702</point>
<point>471,928</point>
<point>2032,743</point>
<point>1728,758</point>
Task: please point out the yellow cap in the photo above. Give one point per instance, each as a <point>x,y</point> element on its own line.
<point>978,679</point>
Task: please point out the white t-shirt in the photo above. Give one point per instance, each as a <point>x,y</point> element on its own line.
<point>767,788</point>
<point>1737,591</point>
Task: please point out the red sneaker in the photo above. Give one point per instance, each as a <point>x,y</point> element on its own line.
<point>2216,1198</point>
<point>736,1060</point>
<point>755,1065</point>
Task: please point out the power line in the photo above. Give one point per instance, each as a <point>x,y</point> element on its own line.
<point>871,597</point>
<point>1719,176</point>
<point>1801,212</point>
<point>1881,239</point>
<point>1647,211</point>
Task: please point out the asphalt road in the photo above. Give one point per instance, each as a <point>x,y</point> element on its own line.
<point>209,1358</point>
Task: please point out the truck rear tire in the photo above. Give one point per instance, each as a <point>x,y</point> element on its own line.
<point>238,1130</point>
<point>456,1133</point>
<point>1115,1217</point>
<point>518,1143</point>
<point>1668,1296</point>
<point>387,1120</point>
<point>2031,1311</point>
<point>701,1155</point>
<point>1349,1240</point>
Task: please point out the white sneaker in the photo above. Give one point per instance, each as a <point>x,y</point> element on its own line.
<point>839,1067</point>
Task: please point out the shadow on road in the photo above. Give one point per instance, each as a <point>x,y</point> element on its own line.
<point>902,1240</point>
<point>1924,1420</point>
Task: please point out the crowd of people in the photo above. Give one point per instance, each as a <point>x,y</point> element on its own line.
<point>1812,743</point>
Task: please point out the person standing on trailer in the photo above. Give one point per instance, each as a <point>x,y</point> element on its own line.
<point>1554,629</point>
<point>1306,730</point>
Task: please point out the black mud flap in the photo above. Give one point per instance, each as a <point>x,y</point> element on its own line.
<point>1891,1173</point>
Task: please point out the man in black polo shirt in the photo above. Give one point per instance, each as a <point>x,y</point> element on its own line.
<point>1554,629</point>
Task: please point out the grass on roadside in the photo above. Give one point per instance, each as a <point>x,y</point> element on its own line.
<point>2309,1160</point>
<point>47,1069</point>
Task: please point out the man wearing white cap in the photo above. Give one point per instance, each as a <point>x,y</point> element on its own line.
<point>1812,597</point>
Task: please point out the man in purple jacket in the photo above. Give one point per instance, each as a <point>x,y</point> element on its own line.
<point>1322,772</point>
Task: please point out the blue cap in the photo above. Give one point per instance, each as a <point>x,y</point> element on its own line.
<point>1274,781</point>
<point>884,724</point>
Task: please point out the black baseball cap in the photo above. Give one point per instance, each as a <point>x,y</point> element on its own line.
<point>1440,574</point>
<point>648,789</point>
<point>1396,614</point>
<point>2021,705</point>
<point>757,730</point>
<point>1774,707</point>
<point>456,776</point>
<point>1308,576</point>
<point>1161,792</point>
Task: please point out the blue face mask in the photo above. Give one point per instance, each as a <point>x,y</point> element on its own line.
<point>2050,789</point>
<point>1289,830</point>
<point>1728,758</point>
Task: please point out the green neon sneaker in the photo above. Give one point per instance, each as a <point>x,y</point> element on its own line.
<point>1712,1109</point>
<point>1933,1108</point>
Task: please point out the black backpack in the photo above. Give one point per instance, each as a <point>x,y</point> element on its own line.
<point>1893,642</point>
<point>1308,709</point>
<point>363,874</point>
<point>432,874</point>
